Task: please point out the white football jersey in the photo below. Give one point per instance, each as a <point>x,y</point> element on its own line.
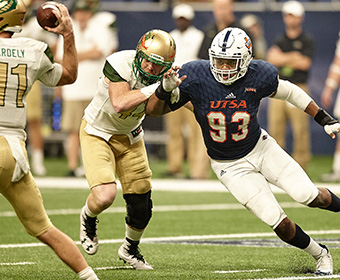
<point>22,62</point>
<point>102,119</point>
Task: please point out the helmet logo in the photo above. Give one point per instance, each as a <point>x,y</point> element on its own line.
<point>248,43</point>
<point>6,6</point>
<point>144,39</point>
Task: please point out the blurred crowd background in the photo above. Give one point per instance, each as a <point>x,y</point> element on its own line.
<point>135,17</point>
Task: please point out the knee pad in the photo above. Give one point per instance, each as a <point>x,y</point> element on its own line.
<point>139,209</point>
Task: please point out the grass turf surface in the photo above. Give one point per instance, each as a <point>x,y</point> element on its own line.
<point>208,256</point>
<point>172,251</point>
<point>57,167</point>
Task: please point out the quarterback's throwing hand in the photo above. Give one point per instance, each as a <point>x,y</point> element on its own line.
<point>171,79</point>
<point>331,129</point>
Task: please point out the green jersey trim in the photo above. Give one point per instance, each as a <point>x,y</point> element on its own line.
<point>111,73</point>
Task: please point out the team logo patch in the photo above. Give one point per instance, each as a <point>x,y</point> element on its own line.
<point>250,89</point>
<point>7,6</point>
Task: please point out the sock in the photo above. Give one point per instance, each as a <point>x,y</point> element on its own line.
<point>336,163</point>
<point>38,156</point>
<point>313,248</point>
<point>87,274</point>
<point>335,203</point>
<point>88,211</point>
<point>133,234</point>
<point>300,240</point>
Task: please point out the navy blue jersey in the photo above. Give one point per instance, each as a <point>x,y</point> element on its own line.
<point>227,114</point>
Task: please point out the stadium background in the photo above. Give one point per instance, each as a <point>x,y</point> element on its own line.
<point>136,17</point>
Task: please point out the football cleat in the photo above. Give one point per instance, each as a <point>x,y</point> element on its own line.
<point>324,262</point>
<point>330,177</point>
<point>88,233</point>
<point>129,253</point>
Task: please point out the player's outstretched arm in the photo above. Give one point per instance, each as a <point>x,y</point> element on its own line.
<point>300,99</point>
<point>167,91</point>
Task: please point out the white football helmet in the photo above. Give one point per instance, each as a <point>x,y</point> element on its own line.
<point>230,55</point>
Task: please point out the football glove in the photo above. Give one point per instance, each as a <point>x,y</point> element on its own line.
<point>332,128</point>
<point>171,81</point>
<point>175,95</point>
<point>329,124</point>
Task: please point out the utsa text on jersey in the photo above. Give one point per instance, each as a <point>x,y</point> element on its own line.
<point>228,104</point>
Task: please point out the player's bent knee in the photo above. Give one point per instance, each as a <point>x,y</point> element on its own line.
<point>141,185</point>
<point>37,227</point>
<point>273,217</point>
<point>139,209</point>
<point>306,198</point>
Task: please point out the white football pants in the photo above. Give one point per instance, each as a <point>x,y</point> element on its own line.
<point>248,179</point>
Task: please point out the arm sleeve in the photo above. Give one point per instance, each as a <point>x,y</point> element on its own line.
<point>293,94</point>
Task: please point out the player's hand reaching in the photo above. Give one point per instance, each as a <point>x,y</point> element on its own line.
<point>330,125</point>
<point>331,129</point>
<point>171,79</point>
<point>170,84</point>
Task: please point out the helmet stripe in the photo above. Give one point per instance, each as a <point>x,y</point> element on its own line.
<point>224,45</point>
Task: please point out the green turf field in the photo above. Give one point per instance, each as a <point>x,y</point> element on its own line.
<point>189,237</point>
<point>319,165</point>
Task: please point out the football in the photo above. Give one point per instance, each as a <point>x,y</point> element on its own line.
<point>45,16</point>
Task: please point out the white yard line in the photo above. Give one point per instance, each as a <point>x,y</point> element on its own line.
<point>238,271</point>
<point>161,208</point>
<point>335,276</point>
<point>158,184</point>
<point>180,238</point>
<point>17,263</point>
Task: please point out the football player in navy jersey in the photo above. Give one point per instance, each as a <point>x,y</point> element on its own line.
<point>224,94</point>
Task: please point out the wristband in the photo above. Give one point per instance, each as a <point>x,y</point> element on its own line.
<point>323,118</point>
<point>161,93</point>
<point>335,69</point>
<point>331,83</point>
<point>68,33</point>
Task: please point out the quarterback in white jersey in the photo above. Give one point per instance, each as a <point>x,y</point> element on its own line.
<point>22,62</point>
<point>112,143</point>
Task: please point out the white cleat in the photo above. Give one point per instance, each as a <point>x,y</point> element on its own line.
<point>324,262</point>
<point>130,254</point>
<point>330,177</point>
<point>88,233</point>
<point>38,169</point>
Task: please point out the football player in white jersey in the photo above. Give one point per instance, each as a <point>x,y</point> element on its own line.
<point>111,138</point>
<point>22,62</point>
<point>225,93</point>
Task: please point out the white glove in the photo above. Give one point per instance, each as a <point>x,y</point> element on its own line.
<point>171,82</point>
<point>175,95</point>
<point>332,128</point>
